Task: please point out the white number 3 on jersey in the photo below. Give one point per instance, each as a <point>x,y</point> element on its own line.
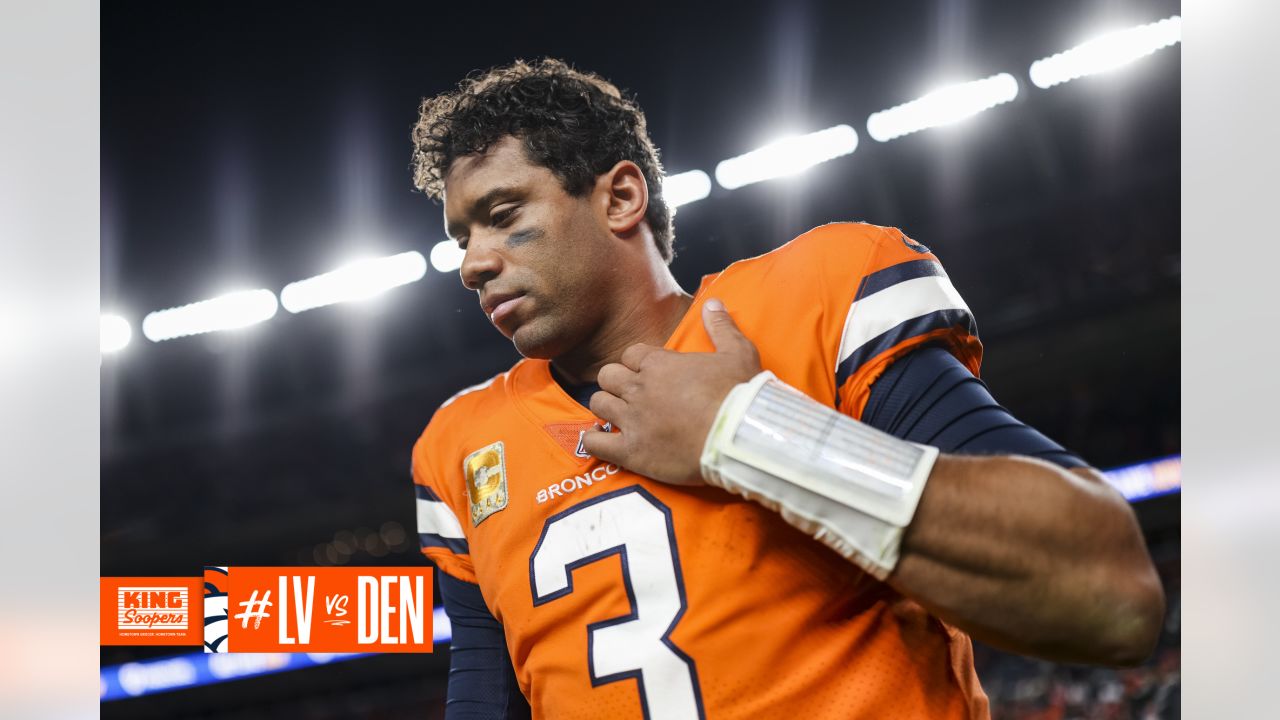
<point>635,525</point>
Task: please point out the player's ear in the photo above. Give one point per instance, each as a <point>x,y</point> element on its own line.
<point>624,196</point>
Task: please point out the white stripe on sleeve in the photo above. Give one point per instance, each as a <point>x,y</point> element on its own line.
<point>884,310</point>
<point>435,518</point>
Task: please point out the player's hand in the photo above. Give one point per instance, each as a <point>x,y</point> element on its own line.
<point>663,402</point>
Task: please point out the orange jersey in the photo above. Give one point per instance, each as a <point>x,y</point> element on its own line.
<point>622,597</point>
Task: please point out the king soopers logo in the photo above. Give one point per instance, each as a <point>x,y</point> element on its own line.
<point>152,608</point>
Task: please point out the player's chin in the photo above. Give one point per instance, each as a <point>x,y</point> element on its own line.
<point>538,341</point>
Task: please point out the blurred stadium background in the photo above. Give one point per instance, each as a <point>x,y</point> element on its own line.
<point>250,146</point>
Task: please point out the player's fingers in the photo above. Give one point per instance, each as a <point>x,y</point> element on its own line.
<point>722,330</point>
<point>615,378</point>
<point>634,355</point>
<point>608,407</point>
<point>609,447</point>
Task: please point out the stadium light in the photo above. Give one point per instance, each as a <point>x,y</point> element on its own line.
<point>943,106</point>
<point>1106,52</point>
<point>114,333</point>
<point>685,187</point>
<point>446,256</point>
<point>355,281</point>
<point>225,312</point>
<point>787,156</point>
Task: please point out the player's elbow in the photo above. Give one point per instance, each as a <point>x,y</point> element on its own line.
<point>1124,591</point>
<point>1135,618</point>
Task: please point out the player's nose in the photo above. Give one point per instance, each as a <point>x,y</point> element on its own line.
<point>480,265</point>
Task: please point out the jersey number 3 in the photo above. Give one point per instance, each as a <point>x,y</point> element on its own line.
<point>633,524</point>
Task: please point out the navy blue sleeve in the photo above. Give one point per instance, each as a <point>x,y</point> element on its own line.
<point>482,683</point>
<point>929,397</point>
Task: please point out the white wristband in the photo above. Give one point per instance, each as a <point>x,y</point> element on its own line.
<point>850,486</point>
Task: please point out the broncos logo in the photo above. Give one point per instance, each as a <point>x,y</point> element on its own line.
<point>215,609</point>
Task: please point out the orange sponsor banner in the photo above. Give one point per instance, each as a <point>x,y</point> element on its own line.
<point>150,610</point>
<point>329,610</point>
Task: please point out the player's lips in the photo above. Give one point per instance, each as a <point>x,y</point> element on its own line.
<point>499,305</point>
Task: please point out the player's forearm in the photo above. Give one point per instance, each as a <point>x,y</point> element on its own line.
<point>1032,558</point>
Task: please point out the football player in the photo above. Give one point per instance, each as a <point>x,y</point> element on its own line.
<point>806,503</point>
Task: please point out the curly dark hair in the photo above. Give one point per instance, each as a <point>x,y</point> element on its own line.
<point>576,124</point>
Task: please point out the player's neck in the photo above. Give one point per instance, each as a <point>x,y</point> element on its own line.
<point>649,317</point>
